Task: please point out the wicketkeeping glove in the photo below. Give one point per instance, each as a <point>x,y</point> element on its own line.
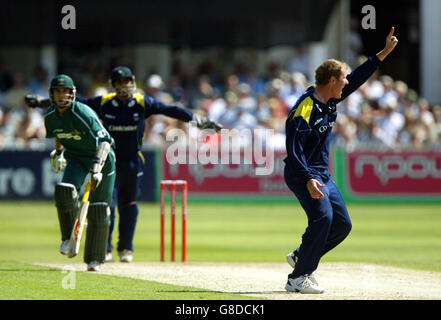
<point>58,162</point>
<point>205,123</point>
<point>33,100</point>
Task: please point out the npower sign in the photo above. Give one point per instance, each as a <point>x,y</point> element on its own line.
<point>394,173</point>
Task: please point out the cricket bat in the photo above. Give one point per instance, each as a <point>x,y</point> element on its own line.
<point>77,231</point>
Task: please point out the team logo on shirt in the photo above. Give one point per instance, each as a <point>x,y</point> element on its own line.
<point>101,133</point>
<point>123,128</point>
<point>76,135</point>
<point>326,127</point>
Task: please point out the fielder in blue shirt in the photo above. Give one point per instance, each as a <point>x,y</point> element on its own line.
<point>123,114</point>
<point>308,133</point>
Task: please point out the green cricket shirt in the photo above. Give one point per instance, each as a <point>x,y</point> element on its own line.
<point>78,129</point>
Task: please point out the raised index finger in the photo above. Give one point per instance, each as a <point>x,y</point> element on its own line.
<point>391,33</point>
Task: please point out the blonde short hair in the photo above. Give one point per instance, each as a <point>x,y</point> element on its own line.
<point>329,68</point>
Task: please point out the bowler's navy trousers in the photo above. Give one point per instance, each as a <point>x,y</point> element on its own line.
<point>328,224</point>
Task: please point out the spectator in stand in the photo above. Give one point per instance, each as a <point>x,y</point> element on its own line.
<point>155,85</point>
<point>13,111</point>
<point>279,109</point>
<point>241,70</point>
<point>263,111</point>
<point>39,83</point>
<point>176,90</point>
<point>411,103</point>
<point>391,121</point>
<point>246,101</point>
<point>298,85</point>
<point>367,135</point>
<point>245,119</point>
<point>436,111</point>
<point>231,83</point>
<point>203,91</point>
<point>14,96</point>
<point>401,90</point>
<point>10,126</point>
<point>218,106</point>
<point>388,85</point>
<point>257,84</point>
<point>230,115</point>
<point>404,139</point>
<point>435,129</point>
<point>286,84</point>
<point>272,72</point>
<point>420,135</point>
<point>344,132</point>
<point>30,132</point>
<point>424,114</point>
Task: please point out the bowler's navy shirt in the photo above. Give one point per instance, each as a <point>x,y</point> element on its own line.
<point>309,125</point>
<point>125,119</point>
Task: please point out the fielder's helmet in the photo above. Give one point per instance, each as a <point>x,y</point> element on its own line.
<point>122,73</point>
<point>63,81</point>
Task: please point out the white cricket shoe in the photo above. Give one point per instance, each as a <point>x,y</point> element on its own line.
<point>109,257</point>
<point>313,278</point>
<point>94,266</point>
<point>292,259</point>
<point>64,248</point>
<point>125,255</point>
<point>303,284</point>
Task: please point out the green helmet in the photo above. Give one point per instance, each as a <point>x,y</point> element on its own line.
<point>62,81</point>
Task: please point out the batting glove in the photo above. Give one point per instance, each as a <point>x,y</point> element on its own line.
<point>94,178</point>
<point>58,162</point>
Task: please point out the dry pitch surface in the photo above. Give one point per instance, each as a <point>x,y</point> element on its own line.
<point>342,281</point>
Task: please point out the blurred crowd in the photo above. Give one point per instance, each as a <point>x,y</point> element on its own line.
<point>20,126</point>
<point>383,114</point>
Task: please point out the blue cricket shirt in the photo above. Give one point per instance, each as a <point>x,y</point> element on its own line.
<point>309,125</point>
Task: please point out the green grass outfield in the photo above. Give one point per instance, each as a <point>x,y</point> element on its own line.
<point>407,236</point>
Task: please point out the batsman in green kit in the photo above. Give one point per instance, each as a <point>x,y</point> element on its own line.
<point>84,151</point>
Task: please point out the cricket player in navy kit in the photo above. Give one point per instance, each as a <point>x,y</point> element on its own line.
<point>123,114</point>
<point>308,133</point>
